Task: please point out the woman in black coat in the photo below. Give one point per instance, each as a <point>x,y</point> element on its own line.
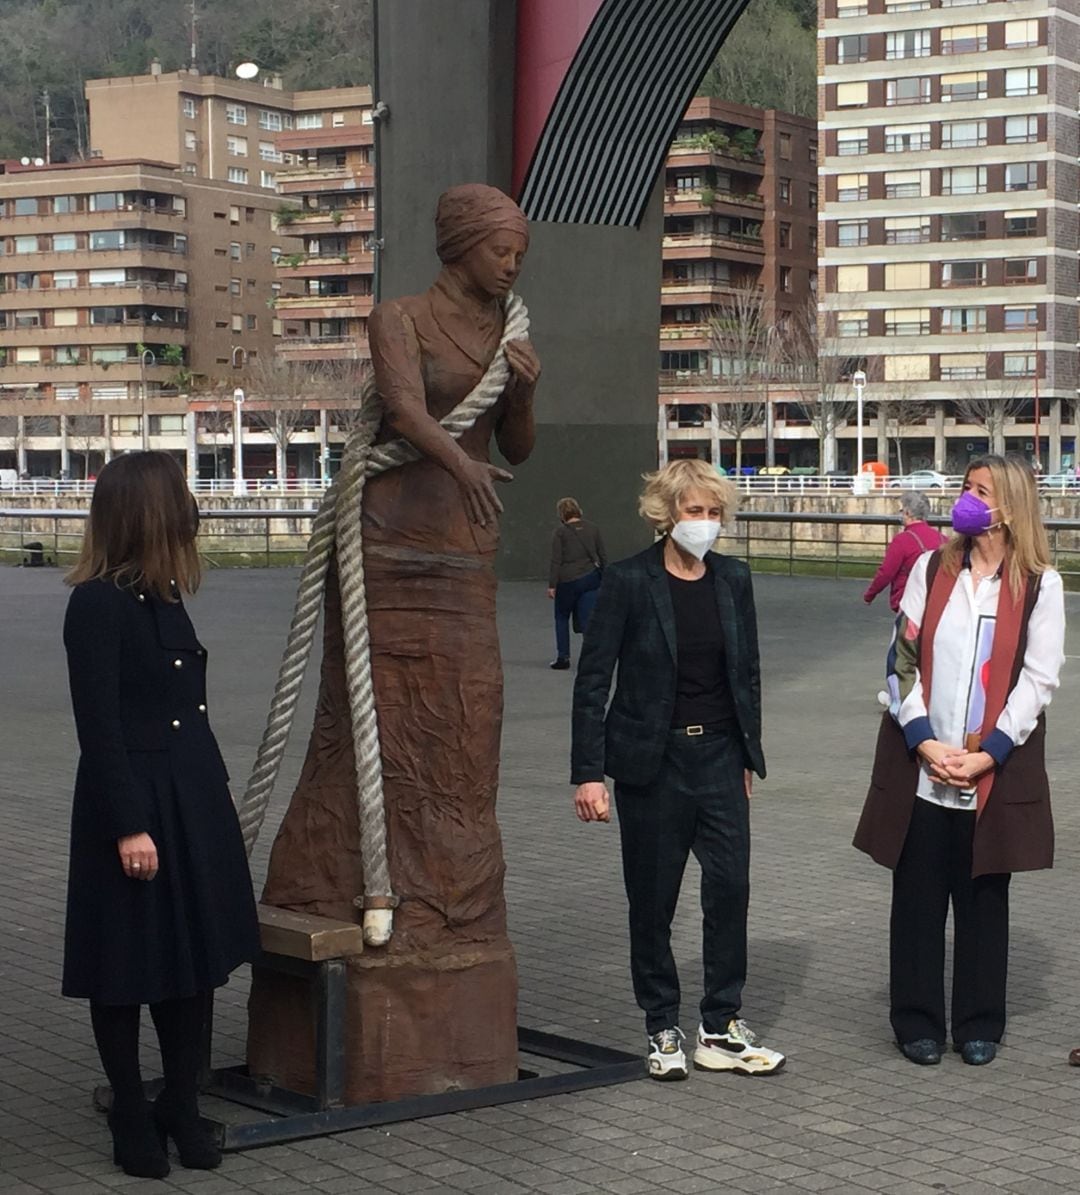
<point>160,905</point>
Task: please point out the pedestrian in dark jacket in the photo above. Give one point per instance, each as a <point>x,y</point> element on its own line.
<point>577,560</point>
<point>900,556</point>
<point>680,738</point>
<point>160,906</point>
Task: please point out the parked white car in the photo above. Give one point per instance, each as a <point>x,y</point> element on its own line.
<point>923,479</point>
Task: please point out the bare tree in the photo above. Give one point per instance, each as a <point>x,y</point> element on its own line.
<point>899,410</point>
<point>990,403</point>
<point>216,422</point>
<point>86,432</point>
<point>280,396</point>
<point>740,335</point>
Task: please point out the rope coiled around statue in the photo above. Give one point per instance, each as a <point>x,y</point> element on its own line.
<point>338,524</point>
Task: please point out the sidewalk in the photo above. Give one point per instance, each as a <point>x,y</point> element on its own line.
<point>847,1115</point>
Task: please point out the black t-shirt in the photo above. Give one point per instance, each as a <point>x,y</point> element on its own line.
<point>702,692</point>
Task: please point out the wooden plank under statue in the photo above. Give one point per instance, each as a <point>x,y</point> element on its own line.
<point>435,1008</point>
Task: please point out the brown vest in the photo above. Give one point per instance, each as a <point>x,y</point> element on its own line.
<point>1015,830</point>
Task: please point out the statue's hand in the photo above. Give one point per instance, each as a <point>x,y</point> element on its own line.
<point>477,479</point>
<point>523,362</point>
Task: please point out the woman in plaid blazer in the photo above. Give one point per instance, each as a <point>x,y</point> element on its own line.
<point>681,738</point>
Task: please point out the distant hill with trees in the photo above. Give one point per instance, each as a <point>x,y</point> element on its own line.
<point>56,45</point>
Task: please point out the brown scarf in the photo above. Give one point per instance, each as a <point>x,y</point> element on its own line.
<point>1007,630</point>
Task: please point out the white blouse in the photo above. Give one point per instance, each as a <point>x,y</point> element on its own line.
<point>961,647</point>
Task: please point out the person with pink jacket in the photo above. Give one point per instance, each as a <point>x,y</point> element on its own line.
<point>900,556</point>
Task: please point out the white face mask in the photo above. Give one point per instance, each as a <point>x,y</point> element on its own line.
<point>696,536</point>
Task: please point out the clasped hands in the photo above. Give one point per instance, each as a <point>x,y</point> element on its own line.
<point>954,765</point>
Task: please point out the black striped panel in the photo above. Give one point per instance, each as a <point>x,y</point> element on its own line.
<point>608,132</point>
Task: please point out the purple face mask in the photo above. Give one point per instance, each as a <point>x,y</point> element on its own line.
<point>971,515</point>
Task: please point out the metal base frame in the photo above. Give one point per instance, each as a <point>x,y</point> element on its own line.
<point>294,1117</point>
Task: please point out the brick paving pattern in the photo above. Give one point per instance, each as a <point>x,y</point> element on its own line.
<point>848,1114</point>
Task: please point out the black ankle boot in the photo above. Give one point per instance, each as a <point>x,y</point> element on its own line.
<point>193,1141</point>
<point>137,1148</point>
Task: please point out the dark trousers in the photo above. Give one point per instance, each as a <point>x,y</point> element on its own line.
<point>575,598</point>
<point>934,867</point>
<point>696,803</point>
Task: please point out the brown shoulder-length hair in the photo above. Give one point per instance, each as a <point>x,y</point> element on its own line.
<point>1027,549</point>
<point>567,509</point>
<point>142,527</point>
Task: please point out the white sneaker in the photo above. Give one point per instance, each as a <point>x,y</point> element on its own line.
<point>736,1049</point>
<point>666,1059</point>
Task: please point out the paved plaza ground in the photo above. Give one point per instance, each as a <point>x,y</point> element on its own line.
<point>848,1114</point>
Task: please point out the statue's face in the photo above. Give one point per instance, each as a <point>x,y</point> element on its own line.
<point>493,265</point>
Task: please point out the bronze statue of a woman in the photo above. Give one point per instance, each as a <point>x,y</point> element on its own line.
<point>436,1007</point>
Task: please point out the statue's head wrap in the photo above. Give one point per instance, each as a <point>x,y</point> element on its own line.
<point>468,214</point>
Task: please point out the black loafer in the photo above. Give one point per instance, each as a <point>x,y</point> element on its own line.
<point>923,1052</point>
<point>560,664</point>
<point>977,1053</point>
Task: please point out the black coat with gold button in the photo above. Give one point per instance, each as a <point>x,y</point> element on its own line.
<point>148,762</point>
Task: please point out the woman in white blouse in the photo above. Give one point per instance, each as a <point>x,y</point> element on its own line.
<point>959,798</point>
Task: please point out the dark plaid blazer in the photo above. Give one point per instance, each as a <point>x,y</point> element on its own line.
<point>633,626</point>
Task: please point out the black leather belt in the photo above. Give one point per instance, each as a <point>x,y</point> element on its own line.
<point>727,727</point>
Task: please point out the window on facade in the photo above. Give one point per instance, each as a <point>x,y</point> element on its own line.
<point>1019,365</point>
<point>1022,176</point>
<point>270,120</point>
<point>309,120</point>
<point>234,250</point>
<point>65,280</point>
<point>852,232</point>
<point>906,138</point>
<point>907,321</point>
<point>106,201</point>
<point>811,198</point>
<point>66,354</point>
<point>907,184</point>
<point>236,113</point>
<point>961,88</point>
<point>963,39</point>
<point>103,354</point>
<point>1021,129</point>
<point>907,275</point>
<point>1021,224</point>
<point>268,152</point>
<point>234,286</point>
<point>907,230</point>
<point>189,168</point>
<point>66,317</point>
<point>1022,80</point>
<point>24,206</point>
<point>963,180</point>
<point>963,273</point>
<point>266,179</point>
<point>852,323</point>
<point>27,319</point>
<point>1020,270</point>
<point>963,134</point>
<point>852,187</point>
<point>914,367</point>
<point>960,3</point>
<point>64,242</point>
<point>1021,33</point>
<point>852,48</point>
<point>1020,319</point>
<point>237,174</point>
<point>27,281</point>
<point>237,146</point>
<point>189,107</point>
<point>784,190</point>
<point>851,279</point>
<point>963,226</point>
<point>962,321</point>
<point>811,152</point>
<point>911,43</point>
<point>907,91</point>
<point>337,119</point>
<point>252,322</point>
<point>785,279</point>
<point>850,142</point>
<point>906,5</point>
<point>111,239</point>
<point>190,140</point>
<point>812,235</point>
<point>27,356</point>
<point>63,205</point>
<point>106,316</point>
<point>26,244</point>
<point>959,367</point>
<point>852,95</point>
<point>237,323</point>
<point>785,236</point>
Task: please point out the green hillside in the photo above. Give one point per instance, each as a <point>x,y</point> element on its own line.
<point>56,45</point>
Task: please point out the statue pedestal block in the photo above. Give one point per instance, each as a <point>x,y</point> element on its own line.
<point>414,1025</point>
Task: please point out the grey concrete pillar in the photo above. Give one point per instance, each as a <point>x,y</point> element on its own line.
<point>65,449</point>
<point>191,431</point>
<point>593,292</point>
<point>714,433</point>
<point>324,444</point>
<point>21,444</point>
<point>280,458</point>
<point>882,435</point>
<point>1054,463</point>
<point>941,451</point>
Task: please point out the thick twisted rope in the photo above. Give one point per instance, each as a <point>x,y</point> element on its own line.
<point>338,522</point>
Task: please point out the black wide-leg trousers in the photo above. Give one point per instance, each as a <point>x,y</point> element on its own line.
<point>696,803</point>
<point>934,868</point>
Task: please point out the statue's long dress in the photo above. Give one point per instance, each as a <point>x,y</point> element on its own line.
<point>436,1008</point>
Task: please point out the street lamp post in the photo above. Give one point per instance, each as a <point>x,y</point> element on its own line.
<point>859,381</point>
<point>239,486</point>
<point>142,379</point>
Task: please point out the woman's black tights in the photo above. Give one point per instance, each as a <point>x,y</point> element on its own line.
<point>179,1025</point>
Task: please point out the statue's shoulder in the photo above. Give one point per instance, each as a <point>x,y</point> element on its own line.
<point>393,313</point>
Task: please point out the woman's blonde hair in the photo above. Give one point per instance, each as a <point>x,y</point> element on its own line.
<point>142,526</point>
<point>567,509</point>
<point>1027,548</point>
<point>665,489</point>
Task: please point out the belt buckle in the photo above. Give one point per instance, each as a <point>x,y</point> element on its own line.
<point>693,731</point>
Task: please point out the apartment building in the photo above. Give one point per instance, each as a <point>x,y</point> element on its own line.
<point>740,266</point>
<point>949,223</point>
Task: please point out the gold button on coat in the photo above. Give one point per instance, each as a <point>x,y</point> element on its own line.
<point>202,709</point>
<point>176,724</point>
<point>178,663</point>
